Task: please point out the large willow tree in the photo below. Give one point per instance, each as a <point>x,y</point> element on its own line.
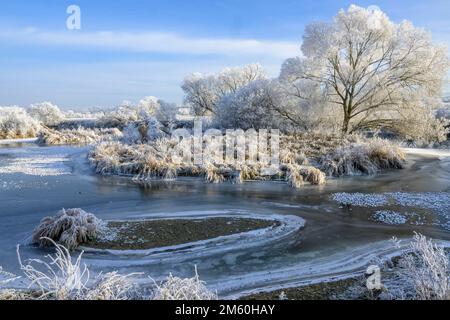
<point>375,71</point>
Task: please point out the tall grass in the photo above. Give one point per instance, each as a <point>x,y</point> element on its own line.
<point>363,158</point>
<point>174,288</point>
<point>64,278</point>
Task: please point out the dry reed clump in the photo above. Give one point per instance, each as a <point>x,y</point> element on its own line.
<point>363,158</point>
<point>426,269</point>
<point>300,148</point>
<point>157,159</point>
<point>313,175</point>
<point>175,288</point>
<point>70,227</point>
<point>62,278</point>
<point>78,136</point>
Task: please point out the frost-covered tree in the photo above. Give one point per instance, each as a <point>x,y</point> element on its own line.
<point>167,112</point>
<point>127,112</point>
<point>251,106</point>
<point>203,92</point>
<point>46,113</point>
<point>368,66</point>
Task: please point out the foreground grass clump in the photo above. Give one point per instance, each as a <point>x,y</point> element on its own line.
<point>70,227</point>
<point>78,136</point>
<point>62,277</point>
<point>175,288</point>
<point>425,268</point>
<point>363,158</point>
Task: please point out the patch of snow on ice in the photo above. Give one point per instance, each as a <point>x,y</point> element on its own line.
<point>51,165</point>
<point>360,199</point>
<point>389,217</point>
<point>436,201</point>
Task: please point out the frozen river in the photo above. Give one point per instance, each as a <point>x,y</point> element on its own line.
<point>38,181</point>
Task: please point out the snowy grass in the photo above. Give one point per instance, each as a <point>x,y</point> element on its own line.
<point>64,278</point>
<point>157,159</point>
<point>174,288</point>
<point>78,136</point>
<point>70,227</point>
<point>422,273</point>
<point>363,158</point>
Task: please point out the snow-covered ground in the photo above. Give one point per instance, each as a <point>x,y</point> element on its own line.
<point>12,141</point>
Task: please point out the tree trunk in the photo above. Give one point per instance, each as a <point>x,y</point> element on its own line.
<point>345,125</point>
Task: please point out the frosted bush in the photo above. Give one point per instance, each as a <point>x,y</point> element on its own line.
<point>15,123</point>
<point>143,131</point>
<point>127,113</point>
<point>424,270</point>
<point>70,227</point>
<point>175,288</point>
<point>46,113</point>
<point>363,158</point>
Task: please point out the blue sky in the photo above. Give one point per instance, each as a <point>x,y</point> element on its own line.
<point>130,49</point>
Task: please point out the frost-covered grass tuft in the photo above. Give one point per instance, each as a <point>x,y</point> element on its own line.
<point>70,227</point>
<point>175,288</point>
<point>293,176</point>
<point>62,278</point>
<point>78,136</point>
<point>110,286</point>
<point>363,158</point>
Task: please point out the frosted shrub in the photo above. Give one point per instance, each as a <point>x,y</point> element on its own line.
<point>16,123</point>
<point>127,112</point>
<point>366,158</point>
<point>175,288</point>
<point>70,227</point>
<point>46,113</point>
<point>143,131</point>
<point>426,269</point>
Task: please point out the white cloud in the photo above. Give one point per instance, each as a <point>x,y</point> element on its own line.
<point>157,42</point>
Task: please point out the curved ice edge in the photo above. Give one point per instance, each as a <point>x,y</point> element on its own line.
<point>340,266</point>
<point>289,224</point>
